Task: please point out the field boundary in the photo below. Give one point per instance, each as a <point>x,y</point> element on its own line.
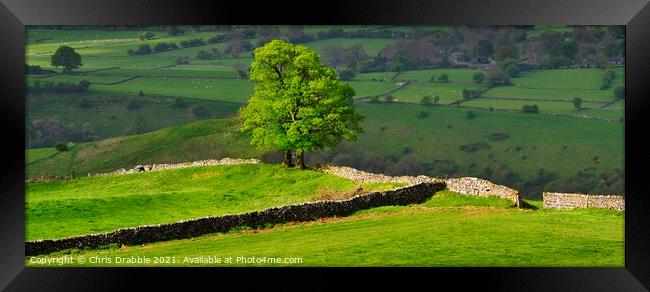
<point>309,211</point>
<point>129,78</point>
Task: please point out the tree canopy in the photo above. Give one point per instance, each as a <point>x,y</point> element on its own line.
<point>67,57</point>
<point>298,104</point>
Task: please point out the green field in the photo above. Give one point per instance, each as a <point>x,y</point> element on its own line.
<point>209,139</point>
<point>455,75</point>
<point>458,234</point>
<point>38,153</point>
<point>371,46</point>
<point>102,115</point>
<point>567,78</point>
<point>589,109</point>
<point>448,92</point>
<point>595,95</point>
<point>106,203</point>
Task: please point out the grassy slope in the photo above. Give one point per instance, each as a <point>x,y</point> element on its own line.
<point>535,141</point>
<point>108,115</point>
<point>417,235</point>
<point>541,138</point>
<point>38,153</point>
<point>195,141</point>
<point>99,204</point>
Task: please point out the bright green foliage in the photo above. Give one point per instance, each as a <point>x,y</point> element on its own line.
<point>67,57</point>
<point>297,104</point>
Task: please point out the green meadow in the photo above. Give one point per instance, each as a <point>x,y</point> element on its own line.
<point>106,203</point>
<point>443,231</point>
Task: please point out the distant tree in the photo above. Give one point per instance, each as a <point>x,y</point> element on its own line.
<point>509,66</point>
<point>478,77</point>
<point>182,60</point>
<point>423,114</point>
<point>470,115</point>
<point>399,63</point>
<point>146,36</point>
<point>67,57</point>
<point>204,55</point>
<point>374,99</point>
<point>389,98</point>
<point>436,99</point>
<point>60,146</point>
<point>484,50</point>
<point>443,77</point>
<point>162,46</point>
<point>426,100</point>
<point>346,74</point>
<point>577,103</point>
<point>619,92</point>
<point>530,109</point>
<point>141,93</point>
<point>505,48</point>
<point>143,49</point>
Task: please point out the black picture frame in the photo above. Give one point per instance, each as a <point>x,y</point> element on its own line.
<point>635,15</point>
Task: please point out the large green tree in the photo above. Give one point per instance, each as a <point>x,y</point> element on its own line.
<point>298,105</point>
<point>67,57</point>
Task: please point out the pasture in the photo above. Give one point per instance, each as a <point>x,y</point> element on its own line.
<point>106,203</point>
<point>464,234</point>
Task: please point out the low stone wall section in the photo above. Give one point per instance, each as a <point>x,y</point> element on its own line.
<point>567,201</point>
<point>413,194</point>
<point>471,186</point>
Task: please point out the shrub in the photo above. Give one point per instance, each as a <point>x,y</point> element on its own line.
<point>478,77</point>
<point>530,109</point>
<point>182,60</point>
<point>204,55</point>
<point>471,93</point>
<point>180,103</point>
<point>470,115</point>
<point>60,146</point>
<point>346,74</point>
<point>143,49</point>
<point>619,92</point>
<point>374,99</point>
<point>163,46</point>
<point>426,100</point>
<point>193,43</point>
<point>443,77</point>
<point>423,115</point>
<point>141,93</point>
<point>146,36</point>
<point>389,98</point>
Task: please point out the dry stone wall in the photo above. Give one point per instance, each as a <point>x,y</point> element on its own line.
<point>413,194</point>
<point>465,185</point>
<point>567,201</point>
<point>166,166</point>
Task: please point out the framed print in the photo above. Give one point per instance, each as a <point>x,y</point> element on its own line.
<point>500,142</point>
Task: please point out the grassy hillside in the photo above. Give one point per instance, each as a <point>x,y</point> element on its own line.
<point>194,141</point>
<point>99,204</point>
<point>526,151</point>
<point>417,235</point>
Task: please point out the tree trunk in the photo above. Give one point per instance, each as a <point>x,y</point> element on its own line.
<point>287,159</point>
<point>300,159</point>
